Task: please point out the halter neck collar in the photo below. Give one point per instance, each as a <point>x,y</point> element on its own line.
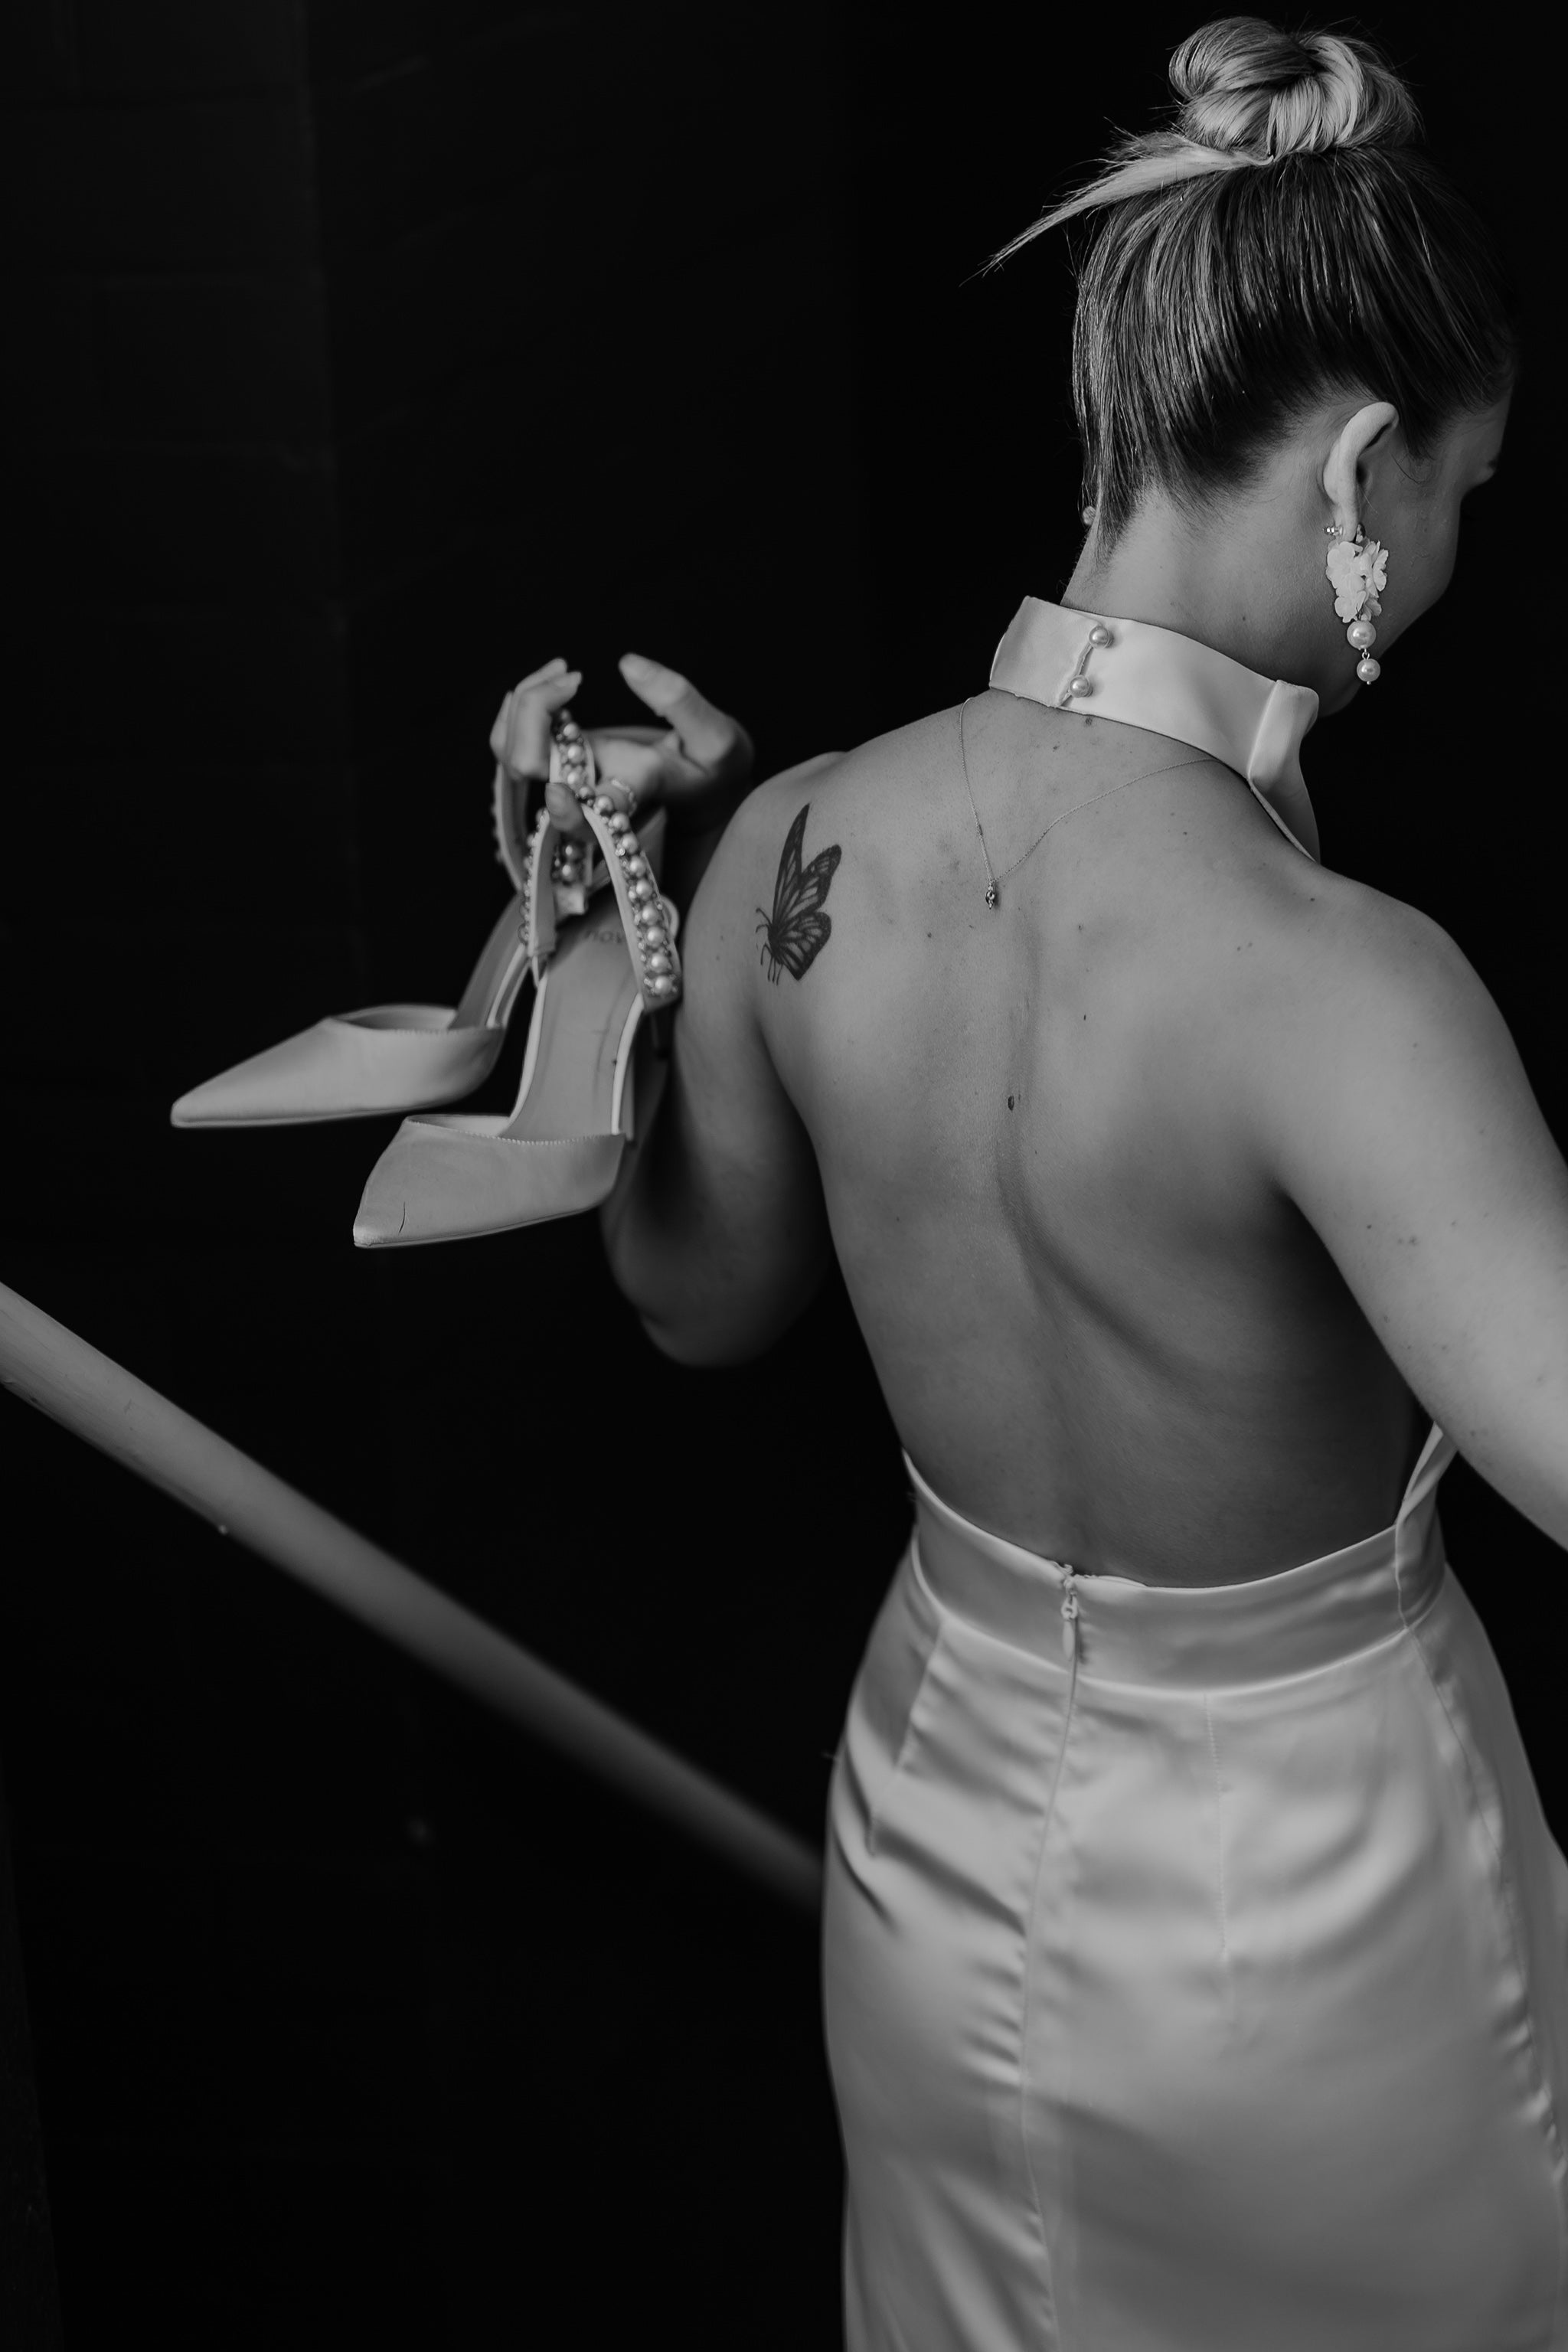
<point>1172,685</point>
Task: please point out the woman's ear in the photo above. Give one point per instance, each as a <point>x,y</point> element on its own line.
<point>1352,461</point>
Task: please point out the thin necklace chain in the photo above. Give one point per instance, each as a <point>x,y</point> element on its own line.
<point>993,880</point>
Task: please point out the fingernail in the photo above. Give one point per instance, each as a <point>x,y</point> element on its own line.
<point>638,664</point>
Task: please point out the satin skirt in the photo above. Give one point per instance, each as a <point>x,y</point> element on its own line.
<point>1203,1985</point>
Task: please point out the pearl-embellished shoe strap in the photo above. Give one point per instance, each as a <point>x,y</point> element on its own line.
<point>514,851</point>
<point>649,919</point>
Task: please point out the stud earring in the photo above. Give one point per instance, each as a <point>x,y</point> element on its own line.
<point>1357,569</point>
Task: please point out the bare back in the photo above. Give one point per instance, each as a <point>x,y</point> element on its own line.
<point>1102,1328</point>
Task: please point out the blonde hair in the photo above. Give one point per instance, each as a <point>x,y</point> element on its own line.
<point>1284,239</point>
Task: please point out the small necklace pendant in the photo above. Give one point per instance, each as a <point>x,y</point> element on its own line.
<point>991,898</point>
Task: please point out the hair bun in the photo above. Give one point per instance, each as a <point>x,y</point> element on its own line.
<point>1250,90</point>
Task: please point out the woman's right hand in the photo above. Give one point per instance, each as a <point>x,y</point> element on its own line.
<point>698,764</point>
<point>521,736</point>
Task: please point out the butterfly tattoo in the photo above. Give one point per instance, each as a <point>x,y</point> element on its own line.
<point>797,931</point>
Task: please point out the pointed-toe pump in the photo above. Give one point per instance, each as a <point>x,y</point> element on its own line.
<point>398,1057</point>
<point>448,1175</point>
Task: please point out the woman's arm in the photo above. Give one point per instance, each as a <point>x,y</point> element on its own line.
<point>1396,1114</point>
<point>716,1230</point>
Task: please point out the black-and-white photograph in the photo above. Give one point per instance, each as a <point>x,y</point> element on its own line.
<point>783,1309</point>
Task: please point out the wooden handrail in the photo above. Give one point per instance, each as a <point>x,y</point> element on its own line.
<point>49,1367</point>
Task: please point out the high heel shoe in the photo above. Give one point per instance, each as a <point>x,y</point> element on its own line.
<point>451,1174</point>
<point>397,1057</point>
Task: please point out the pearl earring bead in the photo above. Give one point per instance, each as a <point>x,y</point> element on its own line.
<point>1360,636</point>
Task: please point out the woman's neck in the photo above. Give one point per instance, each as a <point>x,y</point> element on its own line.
<point>1235,584</point>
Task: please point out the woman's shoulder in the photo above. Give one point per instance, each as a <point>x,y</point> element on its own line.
<point>862,770</point>
<point>851,792</point>
<point>1353,939</point>
<point>1312,974</point>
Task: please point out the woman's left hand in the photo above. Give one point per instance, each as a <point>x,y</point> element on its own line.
<point>697,764</point>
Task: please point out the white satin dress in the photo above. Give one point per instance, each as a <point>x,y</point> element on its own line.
<point>1196,1960</point>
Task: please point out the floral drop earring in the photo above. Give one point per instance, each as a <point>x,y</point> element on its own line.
<point>1357,569</point>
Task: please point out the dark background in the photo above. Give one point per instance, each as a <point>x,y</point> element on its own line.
<point>363,355</point>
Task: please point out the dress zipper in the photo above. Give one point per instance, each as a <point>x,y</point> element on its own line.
<point>1069,1615</point>
<point>1069,1651</point>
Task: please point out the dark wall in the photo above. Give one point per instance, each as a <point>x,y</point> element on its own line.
<point>365,356</point>
<point>368,356</point>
